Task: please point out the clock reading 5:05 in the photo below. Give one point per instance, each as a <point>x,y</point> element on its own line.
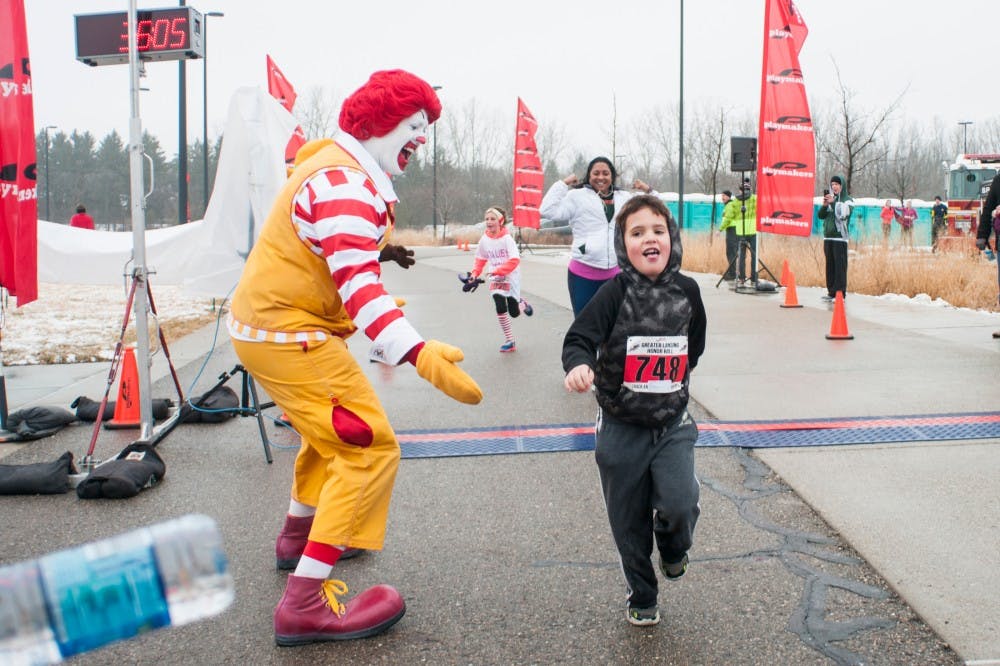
<point>157,34</point>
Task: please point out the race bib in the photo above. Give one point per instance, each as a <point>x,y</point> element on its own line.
<point>500,283</point>
<point>655,364</point>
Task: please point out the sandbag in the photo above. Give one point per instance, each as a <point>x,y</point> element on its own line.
<point>48,478</point>
<point>136,468</point>
<point>86,409</point>
<point>35,422</point>
<point>218,405</point>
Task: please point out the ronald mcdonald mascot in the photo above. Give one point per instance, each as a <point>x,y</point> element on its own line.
<point>311,281</point>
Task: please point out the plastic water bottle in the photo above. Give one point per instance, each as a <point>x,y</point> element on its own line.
<point>75,600</point>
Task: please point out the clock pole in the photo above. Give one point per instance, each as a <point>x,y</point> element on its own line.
<point>138,198</point>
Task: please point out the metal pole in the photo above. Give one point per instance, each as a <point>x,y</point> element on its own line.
<point>434,187</point>
<point>182,155</point>
<point>204,101</point>
<point>434,179</point>
<point>139,274</point>
<point>48,217</point>
<point>965,135</point>
<point>680,158</point>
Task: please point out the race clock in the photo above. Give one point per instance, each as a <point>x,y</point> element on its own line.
<point>175,33</point>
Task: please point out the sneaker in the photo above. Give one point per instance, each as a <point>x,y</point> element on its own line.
<point>508,347</point>
<point>643,617</point>
<point>826,298</point>
<point>675,570</point>
<point>526,308</point>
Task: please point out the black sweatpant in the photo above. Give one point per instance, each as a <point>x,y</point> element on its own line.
<point>835,252</point>
<point>747,245</point>
<point>731,244</point>
<point>650,491</point>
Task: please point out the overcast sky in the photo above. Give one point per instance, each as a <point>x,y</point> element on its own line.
<point>567,60</point>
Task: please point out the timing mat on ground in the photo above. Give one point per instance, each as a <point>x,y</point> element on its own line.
<point>743,434</point>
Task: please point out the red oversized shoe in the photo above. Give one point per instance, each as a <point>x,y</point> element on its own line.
<point>292,541</point>
<point>309,612</point>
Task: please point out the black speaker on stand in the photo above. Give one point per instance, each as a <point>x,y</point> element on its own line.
<point>743,150</point>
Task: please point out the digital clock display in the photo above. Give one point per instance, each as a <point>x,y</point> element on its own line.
<point>174,33</point>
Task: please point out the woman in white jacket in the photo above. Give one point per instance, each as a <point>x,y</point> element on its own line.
<point>589,208</point>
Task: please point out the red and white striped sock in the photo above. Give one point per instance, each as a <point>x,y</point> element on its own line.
<point>508,333</point>
<point>318,559</point>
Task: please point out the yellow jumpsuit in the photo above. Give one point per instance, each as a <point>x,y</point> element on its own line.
<point>289,328</point>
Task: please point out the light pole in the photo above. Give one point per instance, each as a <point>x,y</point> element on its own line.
<point>965,135</point>
<point>434,179</point>
<point>680,123</point>
<point>46,131</point>
<point>204,101</point>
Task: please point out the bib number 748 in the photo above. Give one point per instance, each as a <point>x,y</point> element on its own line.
<point>655,364</point>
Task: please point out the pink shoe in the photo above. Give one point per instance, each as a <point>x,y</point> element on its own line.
<point>309,612</point>
<point>292,541</point>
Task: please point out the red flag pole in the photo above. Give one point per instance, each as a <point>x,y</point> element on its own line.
<point>18,190</point>
<point>786,149</point>
<point>281,89</point>
<point>528,175</point>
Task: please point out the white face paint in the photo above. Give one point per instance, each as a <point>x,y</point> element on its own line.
<point>393,151</point>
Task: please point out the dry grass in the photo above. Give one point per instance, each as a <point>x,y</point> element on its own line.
<point>962,279</point>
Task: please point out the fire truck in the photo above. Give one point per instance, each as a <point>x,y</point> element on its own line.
<point>967,183</point>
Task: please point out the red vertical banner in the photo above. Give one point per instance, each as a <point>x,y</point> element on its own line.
<point>786,147</point>
<point>528,176</point>
<point>281,89</point>
<point>18,199</point>
<point>278,86</point>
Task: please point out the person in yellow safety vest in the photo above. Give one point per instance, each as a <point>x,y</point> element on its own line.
<point>745,223</point>
<point>312,280</point>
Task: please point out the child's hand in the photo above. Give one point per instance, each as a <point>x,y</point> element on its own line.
<point>579,379</point>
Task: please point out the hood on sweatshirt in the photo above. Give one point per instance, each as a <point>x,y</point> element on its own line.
<point>676,252</point>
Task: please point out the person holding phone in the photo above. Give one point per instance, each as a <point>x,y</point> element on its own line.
<point>836,216</point>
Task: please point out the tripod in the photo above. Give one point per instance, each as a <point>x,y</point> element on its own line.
<point>746,244</point>
<point>250,405</point>
<point>522,245</point>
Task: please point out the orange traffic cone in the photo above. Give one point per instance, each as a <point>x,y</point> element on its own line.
<point>785,273</point>
<point>791,297</point>
<point>127,406</point>
<point>838,327</point>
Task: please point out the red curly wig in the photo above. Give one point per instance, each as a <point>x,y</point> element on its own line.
<point>389,96</point>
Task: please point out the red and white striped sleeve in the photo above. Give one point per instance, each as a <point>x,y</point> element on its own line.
<point>340,216</point>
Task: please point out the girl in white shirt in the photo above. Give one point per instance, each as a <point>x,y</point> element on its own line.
<point>497,254</point>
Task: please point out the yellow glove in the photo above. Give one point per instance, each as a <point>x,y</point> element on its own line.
<point>400,302</point>
<point>436,363</point>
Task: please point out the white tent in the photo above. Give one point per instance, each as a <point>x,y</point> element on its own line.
<point>205,256</point>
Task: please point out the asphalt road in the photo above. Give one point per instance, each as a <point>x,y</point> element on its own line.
<point>501,559</point>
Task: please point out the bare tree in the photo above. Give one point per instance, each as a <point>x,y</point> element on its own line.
<point>651,143</point>
<point>852,141</point>
<point>708,133</point>
<point>317,112</point>
<point>904,163</point>
<point>552,145</point>
<point>987,136</point>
